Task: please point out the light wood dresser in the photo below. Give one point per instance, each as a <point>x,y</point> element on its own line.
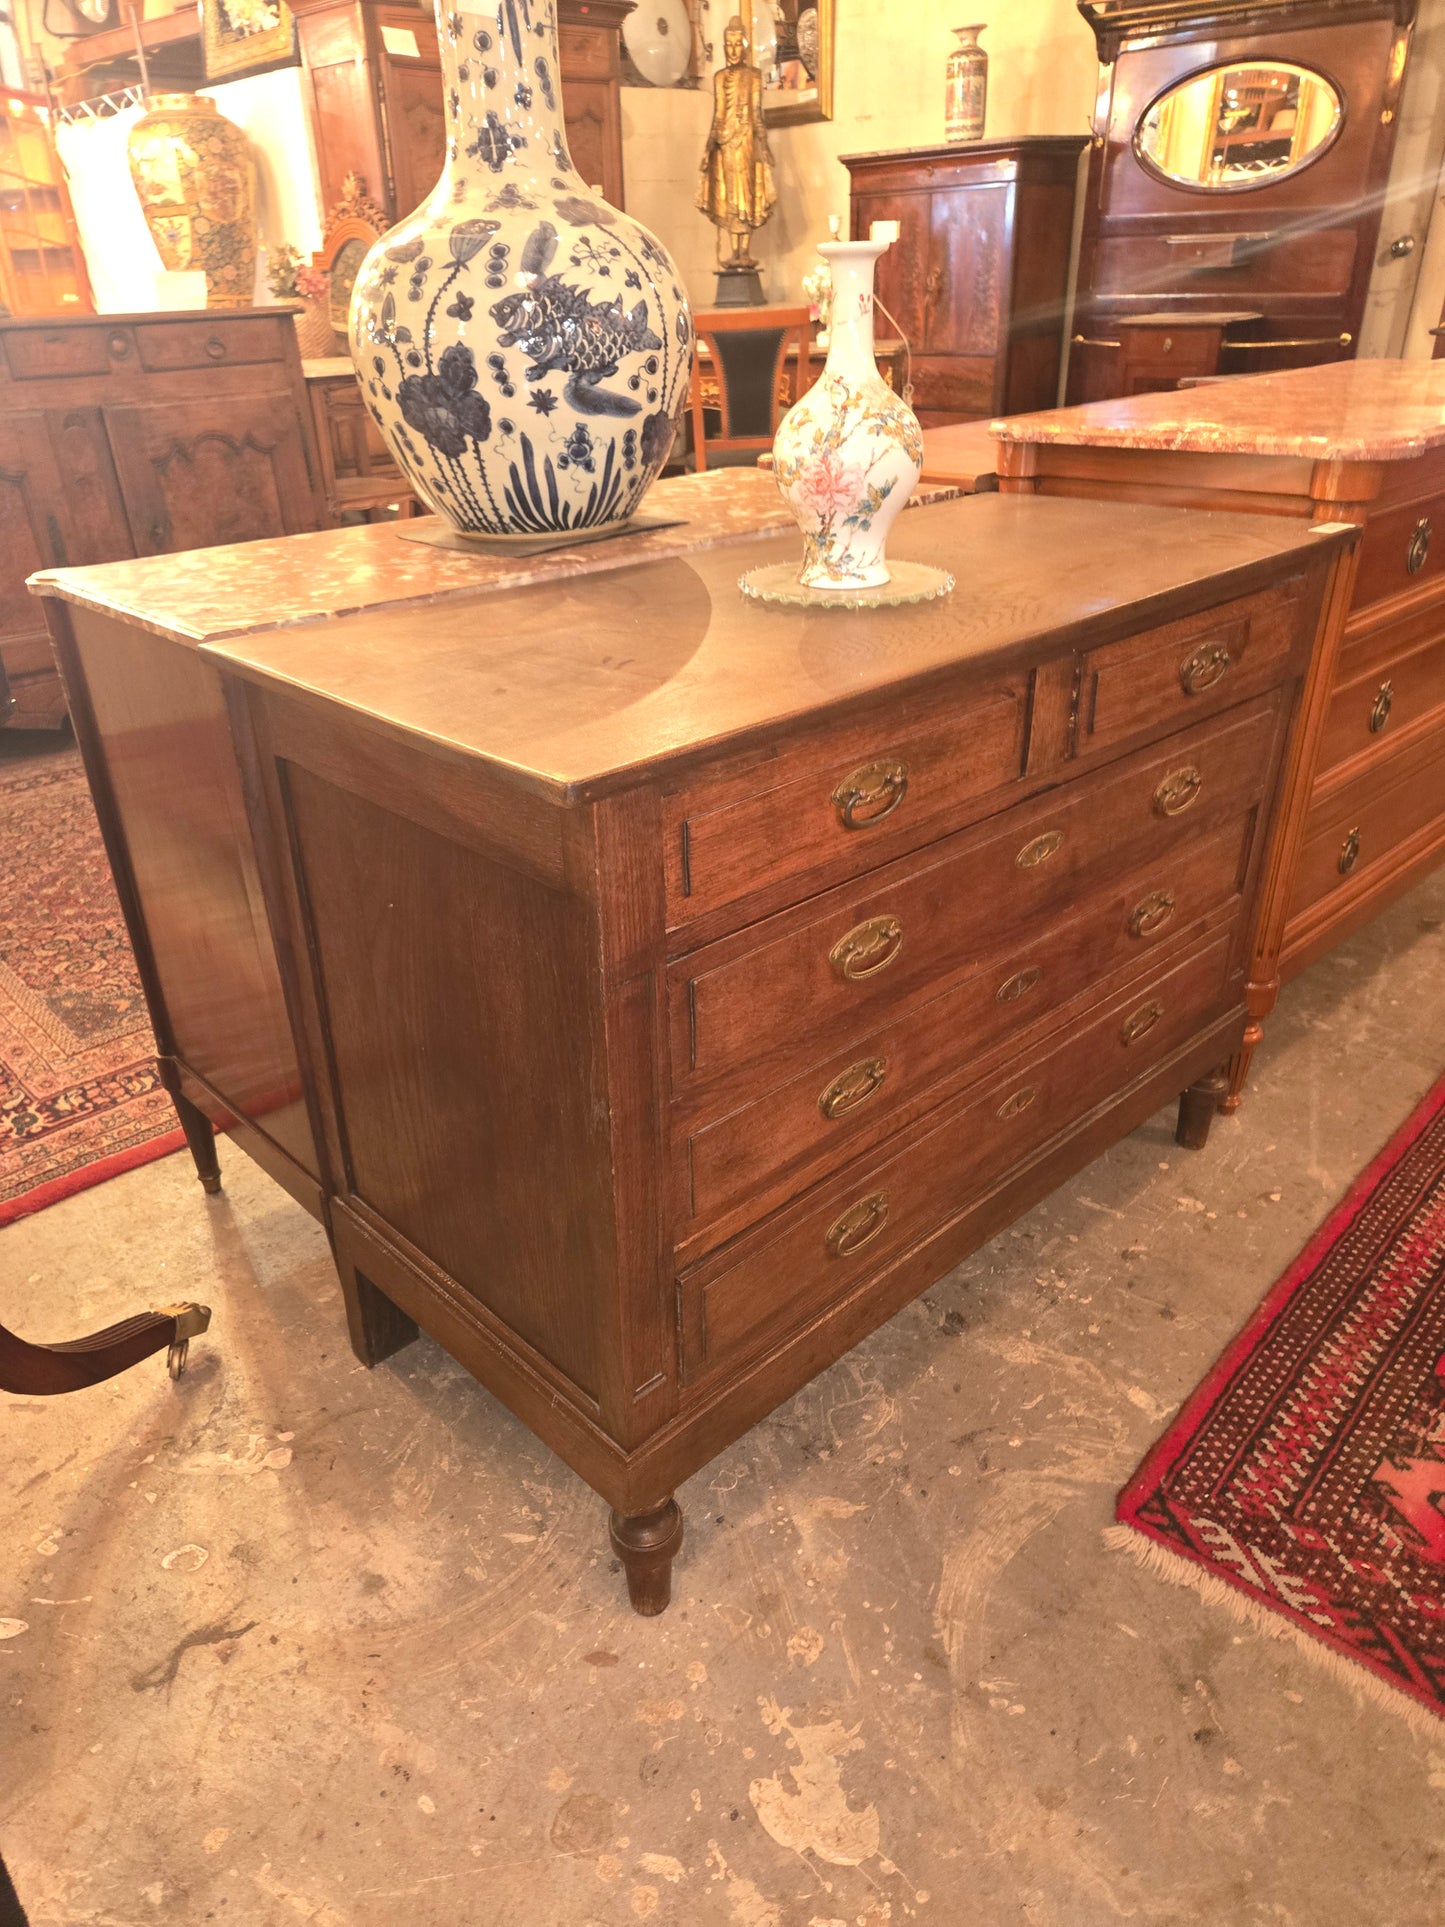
<point>677,986</point>
<point>1357,442</point>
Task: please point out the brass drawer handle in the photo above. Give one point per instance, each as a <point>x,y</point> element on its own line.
<point>1017,1104</point>
<point>216,348</point>
<point>1350,852</point>
<point>1019,986</point>
<point>870,795</point>
<point>858,1226</point>
<point>1178,791</point>
<point>1383,704</point>
<point>867,950</point>
<point>1141,1023</point>
<point>1419,549</point>
<point>1150,916</point>
<point>1204,668</point>
<point>853,1087</point>
<point>1040,850</point>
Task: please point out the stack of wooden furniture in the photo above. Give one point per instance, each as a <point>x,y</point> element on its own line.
<point>1360,443</point>
<point>130,435</point>
<point>977,283</point>
<point>649,1011</point>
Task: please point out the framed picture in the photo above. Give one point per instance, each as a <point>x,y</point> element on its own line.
<point>793,45</point>
<point>242,36</point>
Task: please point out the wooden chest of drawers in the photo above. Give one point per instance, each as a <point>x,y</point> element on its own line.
<point>1362,443</point>
<point>680,986</point>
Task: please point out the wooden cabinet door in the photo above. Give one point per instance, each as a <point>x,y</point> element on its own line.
<point>967,263</point>
<point>35,527</point>
<point>416,124</point>
<point>592,117</point>
<point>903,271</point>
<point>195,474</point>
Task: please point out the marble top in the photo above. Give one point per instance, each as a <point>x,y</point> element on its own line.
<point>1359,411</point>
<point>203,595</point>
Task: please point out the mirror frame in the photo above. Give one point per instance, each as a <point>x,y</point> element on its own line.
<point>1212,190</point>
<point>810,104</point>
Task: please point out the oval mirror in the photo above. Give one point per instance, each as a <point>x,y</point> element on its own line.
<point>1232,128</point>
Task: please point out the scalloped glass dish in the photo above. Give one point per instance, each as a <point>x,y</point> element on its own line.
<point>912,582</point>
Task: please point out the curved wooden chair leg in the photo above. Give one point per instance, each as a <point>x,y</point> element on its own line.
<point>44,1370</point>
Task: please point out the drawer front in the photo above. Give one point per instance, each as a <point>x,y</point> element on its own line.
<point>208,344</point>
<point>954,384</point>
<point>850,961</point>
<point>845,803</point>
<point>1371,711</point>
<point>829,1242</point>
<point>1353,830</point>
<point>1403,548</point>
<point>845,1103</point>
<point>34,353</point>
<point>1166,677</point>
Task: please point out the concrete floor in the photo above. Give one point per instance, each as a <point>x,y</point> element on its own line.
<point>306,1644</point>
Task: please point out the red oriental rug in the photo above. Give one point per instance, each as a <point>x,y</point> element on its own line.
<point>79,1096</point>
<point>1306,1476</point>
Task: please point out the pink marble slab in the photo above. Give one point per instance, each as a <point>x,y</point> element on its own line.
<point>1359,411</point>
<point>204,595</point>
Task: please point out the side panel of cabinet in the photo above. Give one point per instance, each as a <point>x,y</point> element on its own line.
<point>195,474</point>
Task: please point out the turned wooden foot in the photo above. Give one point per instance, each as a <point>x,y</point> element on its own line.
<point>647,1543</point>
<point>377,1327</point>
<point>1239,1069</point>
<point>201,1140</point>
<point>1198,1108</point>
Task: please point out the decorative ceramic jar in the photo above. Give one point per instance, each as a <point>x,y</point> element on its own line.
<point>193,172</point>
<point>967,86</point>
<point>849,454</point>
<point>525,348</point>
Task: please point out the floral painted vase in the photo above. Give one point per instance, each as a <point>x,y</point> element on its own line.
<point>193,172</point>
<point>849,454</point>
<point>525,348</point>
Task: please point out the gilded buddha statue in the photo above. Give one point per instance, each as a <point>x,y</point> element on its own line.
<point>736,189</point>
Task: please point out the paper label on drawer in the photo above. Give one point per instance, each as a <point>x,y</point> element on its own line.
<point>400,40</point>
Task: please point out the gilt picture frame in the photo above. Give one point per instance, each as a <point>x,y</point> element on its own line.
<point>793,42</point>
<point>245,36</point>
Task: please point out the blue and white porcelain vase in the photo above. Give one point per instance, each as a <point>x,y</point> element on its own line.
<point>525,348</point>
<point>849,454</point>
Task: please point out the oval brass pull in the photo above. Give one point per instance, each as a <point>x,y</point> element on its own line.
<point>870,794</point>
<point>1141,1023</point>
<point>1419,549</point>
<point>1020,985</point>
<point>1383,704</point>
<point>1178,791</point>
<point>1150,916</point>
<point>853,1087</point>
<point>216,348</point>
<point>1020,1101</point>
<point>866,950</point>
<point>1204,668</point>
<point>858,1226</point>
<point>1040,850</point>
<point>1350,852</point>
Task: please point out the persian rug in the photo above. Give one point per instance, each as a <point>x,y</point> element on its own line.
<point>1304,1482</point>
<point>79,1096</point>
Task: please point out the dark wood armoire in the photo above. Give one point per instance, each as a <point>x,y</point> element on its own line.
<point>1239,160</point>
<point>978,281</point>
<point>373,83</point>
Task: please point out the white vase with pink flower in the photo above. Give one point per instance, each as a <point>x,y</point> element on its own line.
<point>849,454</point>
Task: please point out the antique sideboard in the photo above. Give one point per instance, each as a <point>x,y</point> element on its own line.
<point>1359,442</point>
<point>651,991</point>
<point>125,435</point>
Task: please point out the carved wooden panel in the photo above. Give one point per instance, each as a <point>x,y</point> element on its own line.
<point>31,535</point>
<point>195,475</point>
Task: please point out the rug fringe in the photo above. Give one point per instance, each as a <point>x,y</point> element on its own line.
<point>1160,1563</point>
